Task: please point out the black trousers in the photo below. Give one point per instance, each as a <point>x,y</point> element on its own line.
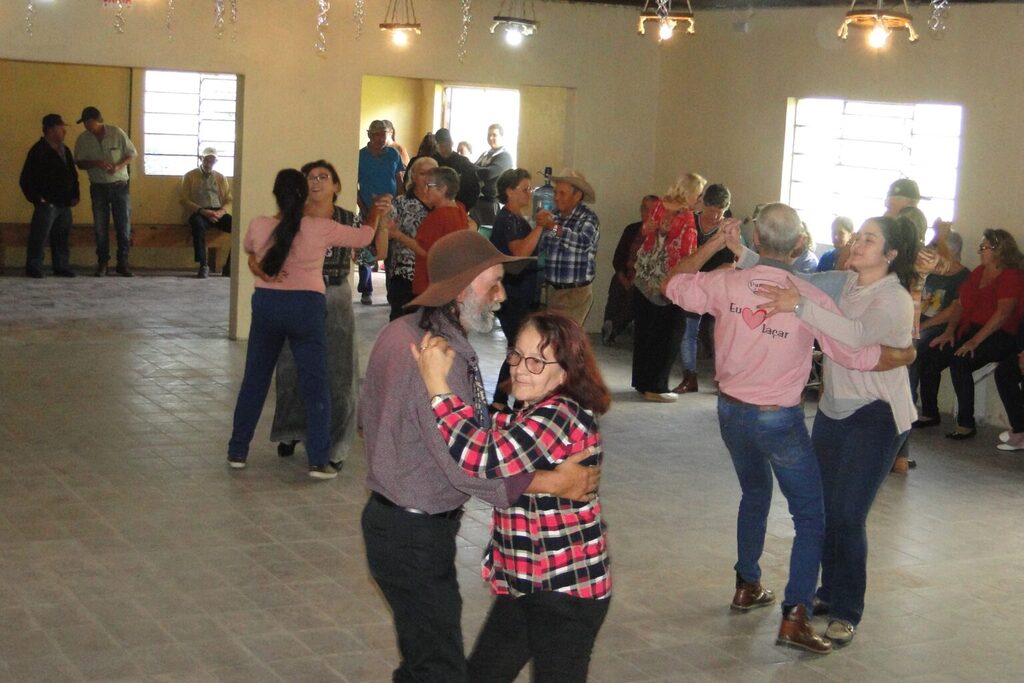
<point>997,347</point>
<point>1011,390</point>
<point>657,333</point>
<point>399,294</point>
<point>412,559</point>
<point>555,630</point>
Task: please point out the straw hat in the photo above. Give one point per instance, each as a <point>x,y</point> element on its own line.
<point>454,262</point>
<point>577,180</point>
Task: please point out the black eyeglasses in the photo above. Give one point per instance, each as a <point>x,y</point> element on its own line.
<point>534,365</point>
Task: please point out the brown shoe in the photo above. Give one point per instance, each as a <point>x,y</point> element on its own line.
<point>900,466</point>
<point>796,631</point>
<point>750,596</point>
<point>688,385</point>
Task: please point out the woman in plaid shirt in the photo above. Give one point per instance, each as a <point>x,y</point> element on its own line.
<point>547,561</point>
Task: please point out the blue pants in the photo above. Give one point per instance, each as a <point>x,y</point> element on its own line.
<point>855,455</point>
<point>53,222</point>
<point>106,199</point>
<point>760,442</point>
<point>200,224</point>
<point>688,347</point>
<point>365,283</point>
<point>298,317</point>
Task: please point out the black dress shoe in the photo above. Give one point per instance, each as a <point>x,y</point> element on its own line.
<point>35,274</point>
<point>101,269</point>
<point>962,435</point>
<point>286,448</point>
<point>64,273</point>
<point>122,270</point>
<point>926,422</point>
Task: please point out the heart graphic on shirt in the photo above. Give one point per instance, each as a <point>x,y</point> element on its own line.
<point>753,318</point>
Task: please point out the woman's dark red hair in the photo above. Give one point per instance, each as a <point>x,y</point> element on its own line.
<point>571,348</point>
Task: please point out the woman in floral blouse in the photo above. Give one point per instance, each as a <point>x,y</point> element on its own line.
<point>547,561</point>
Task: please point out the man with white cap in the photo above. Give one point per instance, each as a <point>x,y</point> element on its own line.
<point>205,197</point>
<point>416,489</point>
<point>569,245</point>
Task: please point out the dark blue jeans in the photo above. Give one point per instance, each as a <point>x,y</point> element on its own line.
<point>106,199</point>
<point>365,283</point>
<point>412,559</point>
<point>53,222</point>
<point>297,317</point>
<point>760,442</point>
<point>855,455</point>
<point>200,224</point>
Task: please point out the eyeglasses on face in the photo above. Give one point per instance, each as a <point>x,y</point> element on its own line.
<point>534,365</point>
<point>985,247</point>
<point>434,185</point>
<point>323,178</point>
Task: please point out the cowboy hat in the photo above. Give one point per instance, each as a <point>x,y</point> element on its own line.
<point>454,262</point>
<point>577,180</point>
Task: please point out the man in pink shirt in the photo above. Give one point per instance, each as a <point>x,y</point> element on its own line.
<point>762,366</point>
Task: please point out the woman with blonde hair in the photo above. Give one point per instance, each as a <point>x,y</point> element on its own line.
<point>669,234</point>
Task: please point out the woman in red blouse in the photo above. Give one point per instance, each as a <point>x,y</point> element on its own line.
<point>446,215</point>
<point>980,329</point>
<point>547,561</point>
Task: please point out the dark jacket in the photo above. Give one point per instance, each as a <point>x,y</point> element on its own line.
<point>45,176</point>
<point>488,173</point>
<point>469,185</point>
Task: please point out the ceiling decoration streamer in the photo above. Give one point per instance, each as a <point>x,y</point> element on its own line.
<point>30,10</point>
<point>938,19</point>
<point>467,17</point>
<point>119,23</point>
<point>323,7</point>
<point>218,17</point>
<point>169,20</point>
<point>359,15</point>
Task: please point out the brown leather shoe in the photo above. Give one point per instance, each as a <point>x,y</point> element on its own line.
<point>796,631</point>
<point>900,466</point>
<point>750,596</point>
<point>688,385</point>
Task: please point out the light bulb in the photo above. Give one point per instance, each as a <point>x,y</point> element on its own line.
<point>665,29</point>
<point>399,38</point>
<point>514,36</point>
<point>879,36</point>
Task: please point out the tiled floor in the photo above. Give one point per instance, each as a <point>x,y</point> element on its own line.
<point>129,551</point>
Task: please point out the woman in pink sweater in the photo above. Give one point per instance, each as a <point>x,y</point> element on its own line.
<point>289,305</point>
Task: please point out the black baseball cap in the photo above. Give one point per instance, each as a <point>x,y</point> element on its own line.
<point>90,113</point>
<point>51,120</point>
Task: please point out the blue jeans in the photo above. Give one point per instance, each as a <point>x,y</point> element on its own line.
<point>300,318</point>
<point>760,442</point>
<point>200,224</point>
<point>107,198</point>
<point>688,347</point>
<point>365,283</point>
<point>855,455</point>
<point>53,222</point>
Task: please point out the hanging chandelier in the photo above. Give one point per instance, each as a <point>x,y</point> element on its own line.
<point>667,19</point>
<point>400,21</point>
<point>518,19</point>
<point>879,22</point>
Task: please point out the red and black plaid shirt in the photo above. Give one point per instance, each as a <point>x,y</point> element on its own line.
<point>541,542</point>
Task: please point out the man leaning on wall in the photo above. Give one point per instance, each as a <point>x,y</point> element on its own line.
<point>104,152</point>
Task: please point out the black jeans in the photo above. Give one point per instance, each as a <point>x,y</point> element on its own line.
<point>657,332</point>
<point>53,222</point>
<point>555,630</point>
<point>399,294</point>
<point>412,559</point>
<point>1008,381</point>
<point>200,224</point>
<point>998,346</point>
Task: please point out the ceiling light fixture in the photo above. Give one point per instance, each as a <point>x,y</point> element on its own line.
<point>879,22</point>
<point>400,21</point>
<point>518,19</point>
<point>666,18</point>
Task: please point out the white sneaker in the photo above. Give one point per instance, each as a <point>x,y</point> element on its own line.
<point>1015,442</point>
<point>1005,436</point>
<point>322,472</point>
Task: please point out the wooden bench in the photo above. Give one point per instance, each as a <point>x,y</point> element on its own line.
<point>151,235</point>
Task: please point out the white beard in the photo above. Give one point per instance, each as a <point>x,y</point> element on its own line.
<point>476,315</point>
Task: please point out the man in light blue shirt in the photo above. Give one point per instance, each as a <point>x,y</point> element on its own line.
<point>380,173</point>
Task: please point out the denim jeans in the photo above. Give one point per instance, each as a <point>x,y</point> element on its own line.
<point>107,198</point>
<point>200,224</point>
<point>300,318</point>
<point>365,282</point>
<point>53,222</point>
<point>412,560</point>
<point>555,630</point>
<point>688,347</point>
<point>760,442</point>
<point>855,455</point>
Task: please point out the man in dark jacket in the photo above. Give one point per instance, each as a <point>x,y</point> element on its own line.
<point>469,184</point>
<point>49,181</point>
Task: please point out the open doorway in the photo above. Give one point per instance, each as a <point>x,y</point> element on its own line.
<point>467,111</point>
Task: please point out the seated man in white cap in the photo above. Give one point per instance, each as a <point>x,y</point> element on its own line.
<point>569,246</point>
<point>206,198</point>
<point>416,488</point>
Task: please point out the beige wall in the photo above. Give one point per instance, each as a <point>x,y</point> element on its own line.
<point>406,102</point>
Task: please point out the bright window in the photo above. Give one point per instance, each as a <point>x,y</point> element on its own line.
<point>183,113</point>
<point>468,111</point>
<point>842,156</point>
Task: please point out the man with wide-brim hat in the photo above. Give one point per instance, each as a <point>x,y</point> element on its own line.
<point>569,245</point>
<point>417,488</point>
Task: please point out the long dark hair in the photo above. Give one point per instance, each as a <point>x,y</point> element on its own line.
<point>900,234</point>
<point>571,348</point>
<point>290,189</point>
